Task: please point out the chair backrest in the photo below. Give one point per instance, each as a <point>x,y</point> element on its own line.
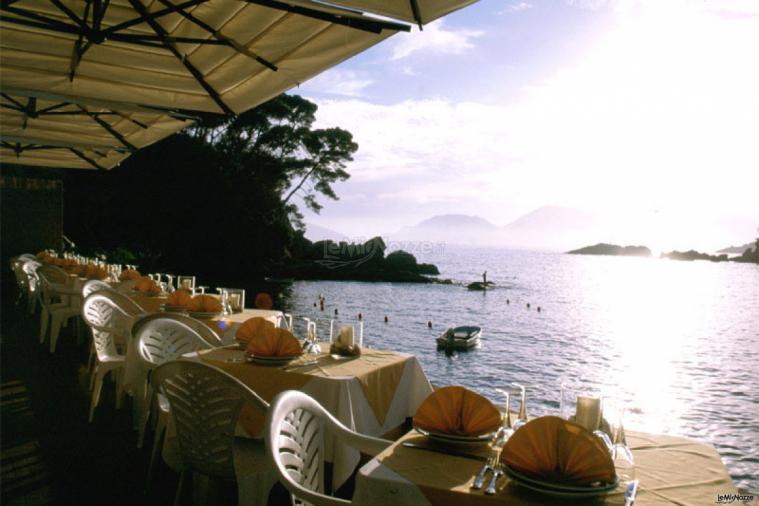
<point>110,314</point>
<point>161,337</point>
<point>17,266</point>
<point>296,427</point>
<point>94,285</point>
<point>205,404</point>
<point>51,277</point>
<point>32,278</point>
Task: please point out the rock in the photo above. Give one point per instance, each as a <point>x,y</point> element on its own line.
<point>612,249</point>
<point>479,285</point>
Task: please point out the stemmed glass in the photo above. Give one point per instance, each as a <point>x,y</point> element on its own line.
<point>225,309</point>
<point>522,416</point>
<point>506,429</point>
<point>311,345</point>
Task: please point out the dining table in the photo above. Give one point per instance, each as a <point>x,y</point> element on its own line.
<point>373,393</point>
<point>669,470</point>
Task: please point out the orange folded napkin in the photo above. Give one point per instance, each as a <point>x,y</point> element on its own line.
<point>204,304</point>
<point>263,301</point>
<point>456,410</point>
<point>96,272</point>
<point>555,449</point>
<point>179,298</point>
<point>147,286</point>
<point>252,328</point>
<point>129,274</point>
<point>274,342</point>
<point>68,263</point>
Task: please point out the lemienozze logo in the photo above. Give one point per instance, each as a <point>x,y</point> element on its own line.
<point>731,498</point>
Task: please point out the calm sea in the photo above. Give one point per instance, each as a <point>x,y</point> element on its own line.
<point>677,341</point>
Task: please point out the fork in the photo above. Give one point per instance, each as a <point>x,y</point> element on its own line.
<point>489,466</point>
<point>497,473</point>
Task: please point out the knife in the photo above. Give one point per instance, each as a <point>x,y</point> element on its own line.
<point>453,453</point>
<point>631,492</point>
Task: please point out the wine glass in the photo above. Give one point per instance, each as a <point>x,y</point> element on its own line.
<point>311,345</point>
<point>506,429</point>
<point>522,416</point>
<point>225,309</point>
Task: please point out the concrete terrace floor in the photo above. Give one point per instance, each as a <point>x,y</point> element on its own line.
<point>50,453</point>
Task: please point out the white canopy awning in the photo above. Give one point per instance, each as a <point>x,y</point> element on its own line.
<point>38,131</point>
<point>167,59</point>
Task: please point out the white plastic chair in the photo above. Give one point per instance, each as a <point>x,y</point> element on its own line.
<point>110,315</point>
<point>56,301</point>
<point>205,405</point>
<point>17,266</point>
<point>162,337</point>
<point>32,287</point>
<point>89,287</point>
<point>296,428</point>
<point>94,285</point>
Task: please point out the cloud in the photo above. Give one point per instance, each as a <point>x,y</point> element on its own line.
<point>435,38</point>
<point>592,5</point>
<point>659,114</point>
<point>347,83</point>
<point>517,7</point>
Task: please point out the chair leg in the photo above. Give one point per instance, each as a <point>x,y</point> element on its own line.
<point>119,376</point>
<point>96,393</point>
<point>93,374</point>
<point>91,360</point>
<point>200,489</point>
<point>160,430</point>
<point>43,324</point>
<point>55,331</point>
<point>180,486</point>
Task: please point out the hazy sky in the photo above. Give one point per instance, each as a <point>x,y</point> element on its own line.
<point>647,111</point>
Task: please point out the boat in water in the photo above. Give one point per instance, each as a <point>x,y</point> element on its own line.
<point>459,338</point>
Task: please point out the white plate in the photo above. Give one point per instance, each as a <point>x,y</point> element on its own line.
<point>559,489</point>
<point>272,360</point>
<point>455,439</point>
<point>205,315</point>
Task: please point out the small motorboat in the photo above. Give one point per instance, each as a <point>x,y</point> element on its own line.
<point>459,338</point>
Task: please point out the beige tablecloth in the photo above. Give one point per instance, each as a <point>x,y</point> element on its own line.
<point>671,470</point>
<point>372,394</point>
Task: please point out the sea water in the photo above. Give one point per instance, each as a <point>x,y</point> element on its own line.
<point>678,342</point>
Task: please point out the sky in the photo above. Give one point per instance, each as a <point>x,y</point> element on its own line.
<point>645,112</point>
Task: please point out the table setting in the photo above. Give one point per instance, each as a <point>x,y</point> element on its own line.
<point>463,450</point>
<point>372,392</point>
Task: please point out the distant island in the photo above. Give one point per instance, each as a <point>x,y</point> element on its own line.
<point>613,249</point>
<point>693,255</point>
<point>750,255</point>
<point>330,260</point>
<point>737,250</point>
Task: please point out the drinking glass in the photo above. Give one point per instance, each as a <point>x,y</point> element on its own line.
<point>311,343</point>
<point>225,309</point>
<point>169,283</point>
<point>522,416</point>
<point>187,283</point>
<point>581,404</point>
<point>506,429</point>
